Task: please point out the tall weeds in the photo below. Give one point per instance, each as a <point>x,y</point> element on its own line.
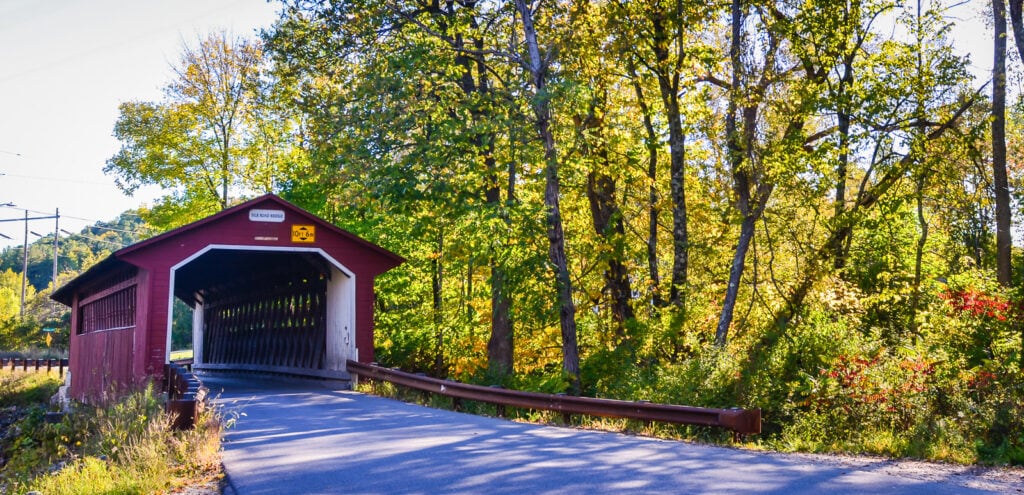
<point>125,447</point>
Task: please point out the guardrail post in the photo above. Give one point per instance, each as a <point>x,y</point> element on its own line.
<point>499,408</point>
<point>566,417</point>
<point>184,396</point>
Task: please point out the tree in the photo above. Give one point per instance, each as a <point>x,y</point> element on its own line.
<point>1004,237</point>
<point>538,67</point>
<point>197,143</point>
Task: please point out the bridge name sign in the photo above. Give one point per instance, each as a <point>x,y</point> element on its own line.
<point>274,216</point>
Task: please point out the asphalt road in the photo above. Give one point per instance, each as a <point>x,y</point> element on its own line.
<point>304,438</point>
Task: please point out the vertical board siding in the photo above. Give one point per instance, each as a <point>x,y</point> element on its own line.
<point>104,367</point>
<point>104,332</point>
<point>284,328</point>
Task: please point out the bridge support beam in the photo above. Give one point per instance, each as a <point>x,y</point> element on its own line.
<point>341,321</point>
<point>197,334</point>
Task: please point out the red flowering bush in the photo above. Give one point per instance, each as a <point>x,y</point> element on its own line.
<point>972,302</point>
<point>887,391</point>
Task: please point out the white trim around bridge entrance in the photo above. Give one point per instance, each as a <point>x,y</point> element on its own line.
<point>341,307</point>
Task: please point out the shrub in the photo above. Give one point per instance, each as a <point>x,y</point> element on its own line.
<point>124,447</point>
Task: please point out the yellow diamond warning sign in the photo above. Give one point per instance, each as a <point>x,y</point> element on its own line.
<point>303,233</point>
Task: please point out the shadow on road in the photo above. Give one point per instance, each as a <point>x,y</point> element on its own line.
<point>305,438</point>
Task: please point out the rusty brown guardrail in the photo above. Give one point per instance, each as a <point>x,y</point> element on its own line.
<point>34,364</point>
<point>185,395</point>
<point>740,421</point>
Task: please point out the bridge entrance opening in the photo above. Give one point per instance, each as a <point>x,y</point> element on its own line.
<point>270,310</point>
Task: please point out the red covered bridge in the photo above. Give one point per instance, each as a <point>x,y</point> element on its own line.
<point>273,288</point>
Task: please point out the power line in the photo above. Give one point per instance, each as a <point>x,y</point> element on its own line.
<point>112,229</point>
<point>91,238</point>
<point>56,179</point>
<point>147,227</point>
<point>147,230</point>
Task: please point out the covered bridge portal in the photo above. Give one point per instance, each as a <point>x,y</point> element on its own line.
<point>273,288</point>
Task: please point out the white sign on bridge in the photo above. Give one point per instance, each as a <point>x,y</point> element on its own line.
<point>275,216</point>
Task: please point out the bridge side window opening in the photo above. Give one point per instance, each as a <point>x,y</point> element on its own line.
<point>110,308</point>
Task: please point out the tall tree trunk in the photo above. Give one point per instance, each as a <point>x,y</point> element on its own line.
<point>501,345</point>
<point>605,212</point>
<point>843,118</point>
<point>922,222</point>
<point>921,180</point>
<point>608,224</point>
<point>680,234</point>
<point>736,145</point>
<point>1017,21</point>
<point>537,68</point>
<point>844,109</point>
<point>651,142</point>
<point>668,84</point>
<point>1004,240</point>
<point>437,280</point>
<point>750,184</point>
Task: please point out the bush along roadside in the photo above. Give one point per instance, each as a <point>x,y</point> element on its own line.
<point>126,447</point>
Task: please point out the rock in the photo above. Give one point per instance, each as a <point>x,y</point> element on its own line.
<point>57,467</point>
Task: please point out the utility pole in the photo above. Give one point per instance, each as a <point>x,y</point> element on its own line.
<point>24,262</point>
<point>56,244</point>
<point>24,267</point>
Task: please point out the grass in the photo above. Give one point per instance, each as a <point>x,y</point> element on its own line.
<point>20,389</point>
<point>125,447</point>
<point>181,354</point>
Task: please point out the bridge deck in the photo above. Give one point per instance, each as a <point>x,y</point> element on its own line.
<point>305,438</point>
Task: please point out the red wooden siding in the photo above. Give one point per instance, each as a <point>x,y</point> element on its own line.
<point>103,364</point>
<point>104,333</point>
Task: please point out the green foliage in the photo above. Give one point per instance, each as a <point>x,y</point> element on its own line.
<point>126,447</point>
<point>26,389</point>
<point>221,134</point>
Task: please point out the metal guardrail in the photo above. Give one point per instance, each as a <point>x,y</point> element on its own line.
<point>34,364</point>
<point>740,421</point>
<point>185,395</point>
